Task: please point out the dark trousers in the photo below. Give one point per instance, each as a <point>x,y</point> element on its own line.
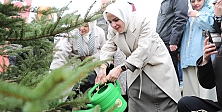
<point>192,103</point>
<point>174,57</point>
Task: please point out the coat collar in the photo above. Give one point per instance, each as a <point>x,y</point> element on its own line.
<point>126,41</point>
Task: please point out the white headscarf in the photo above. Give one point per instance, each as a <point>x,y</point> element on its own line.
<point>120,9</point>
<point>86,36</point>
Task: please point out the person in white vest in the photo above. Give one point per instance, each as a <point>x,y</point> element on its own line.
<point>90,40</point>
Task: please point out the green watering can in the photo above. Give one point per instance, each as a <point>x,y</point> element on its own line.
<point>108,96</point>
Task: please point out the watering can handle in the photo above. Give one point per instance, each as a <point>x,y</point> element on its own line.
<point>118,85</point>
<point>95,86</point>
<point>91,91</point>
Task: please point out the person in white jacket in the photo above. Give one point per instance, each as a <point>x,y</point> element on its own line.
<point>90,39</point>
<point>151,78</point>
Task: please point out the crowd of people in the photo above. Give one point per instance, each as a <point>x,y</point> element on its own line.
<point>146,59</point>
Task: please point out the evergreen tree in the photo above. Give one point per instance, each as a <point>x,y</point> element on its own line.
<point>27,85</point>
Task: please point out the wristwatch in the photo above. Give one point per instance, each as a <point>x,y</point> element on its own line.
<point>218,19</point>
<point>123,67</point>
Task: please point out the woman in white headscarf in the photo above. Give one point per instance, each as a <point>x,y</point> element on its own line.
<point>151,77</point>
<point>89,42</point>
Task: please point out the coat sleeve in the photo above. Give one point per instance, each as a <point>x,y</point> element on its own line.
<point>181,10</point>
<point>217,26</point>
<point>61,55</point>
<point>205,20</point>
<point>205,74</point>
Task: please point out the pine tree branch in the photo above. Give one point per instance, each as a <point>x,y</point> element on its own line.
<point>53,33</point>
<point>16,91</point>
<point>29,80</point>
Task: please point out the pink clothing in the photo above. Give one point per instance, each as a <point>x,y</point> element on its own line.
<point>133,7</point>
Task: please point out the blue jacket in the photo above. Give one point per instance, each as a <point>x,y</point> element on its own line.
<point>193,40</point>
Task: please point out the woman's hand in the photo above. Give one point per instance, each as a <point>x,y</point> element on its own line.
<point>101,76</point>
<point>173,47</point>
<point>114,74</point>
<point>218,8</point>
<point>209,49</point>
<point>193,13</point>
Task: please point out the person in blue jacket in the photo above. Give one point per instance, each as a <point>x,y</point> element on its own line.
<point>201,18</point>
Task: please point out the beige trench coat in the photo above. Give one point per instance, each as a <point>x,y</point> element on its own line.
<point>146,51</point>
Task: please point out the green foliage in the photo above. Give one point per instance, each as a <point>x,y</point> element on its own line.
<point>28,85</point>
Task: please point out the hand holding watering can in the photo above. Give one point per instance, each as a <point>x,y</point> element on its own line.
<point>109,95</point>
<point>112,76</point>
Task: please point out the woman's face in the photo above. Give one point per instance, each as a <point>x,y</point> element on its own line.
<point>115,22</point>
<point>84,29</point>
<point>197,4</point>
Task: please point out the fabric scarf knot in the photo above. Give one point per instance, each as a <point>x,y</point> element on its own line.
<point>91,44</point>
